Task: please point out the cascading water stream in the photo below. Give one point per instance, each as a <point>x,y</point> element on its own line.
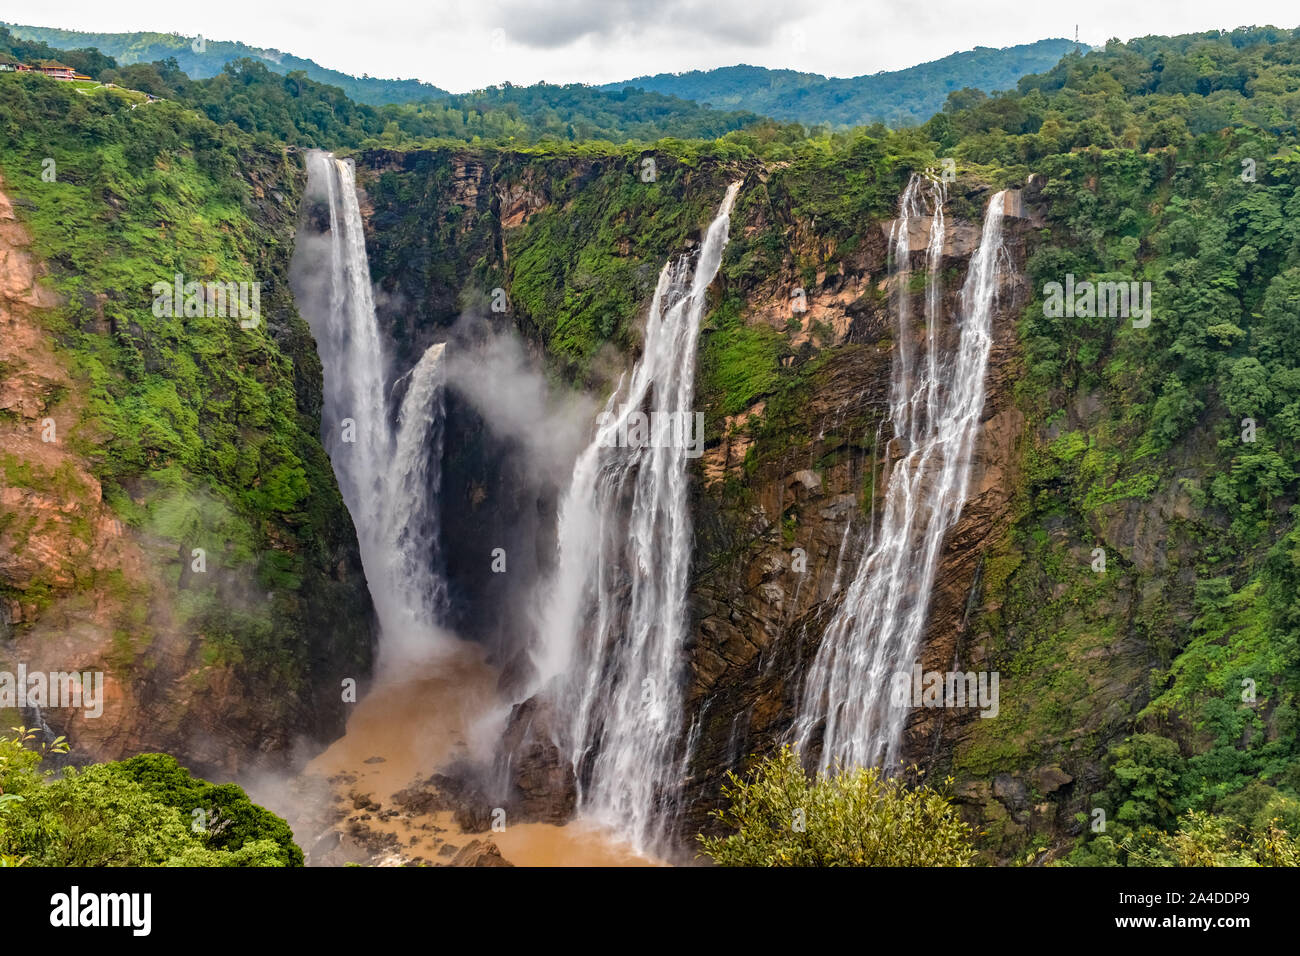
<point>352,357</point>
<point>412,482</point>
<point>386,464</point>
<point>935,408</point>
<point>610,648</point>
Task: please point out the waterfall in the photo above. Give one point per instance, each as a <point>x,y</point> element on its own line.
<point>935,407</point>
<point>613,627</point>
<point>411,532</point>
<point>386,463</point>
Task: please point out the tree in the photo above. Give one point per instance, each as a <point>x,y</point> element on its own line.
<point>139,812</point>
<point>851,818</point>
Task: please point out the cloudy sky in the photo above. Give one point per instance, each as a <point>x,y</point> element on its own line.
<point>467,44</point>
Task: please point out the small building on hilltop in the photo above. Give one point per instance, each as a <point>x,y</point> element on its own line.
<point>56,70</point>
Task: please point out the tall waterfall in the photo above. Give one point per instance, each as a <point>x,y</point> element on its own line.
<point>935,405</point>
<point>386,463</point>
<point>614,624</point>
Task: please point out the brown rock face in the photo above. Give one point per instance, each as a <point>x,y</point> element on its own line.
<point>757,617</point>
<point>80,591</point>
<point>479,853</point>
<point>58,539</point>
<point>543,785</point>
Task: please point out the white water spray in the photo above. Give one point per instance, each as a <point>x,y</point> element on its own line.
<point>935,408</point>
<point>614,625</point>
<point>387,471</point>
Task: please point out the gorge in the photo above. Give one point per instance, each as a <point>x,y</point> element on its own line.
<point>611,652</point>
<point>560,485</point>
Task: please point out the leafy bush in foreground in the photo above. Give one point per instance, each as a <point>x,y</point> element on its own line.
<point>138,812</point>
<point>852,818</point>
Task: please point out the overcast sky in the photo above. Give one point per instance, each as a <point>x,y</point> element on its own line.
<point>468,44</point>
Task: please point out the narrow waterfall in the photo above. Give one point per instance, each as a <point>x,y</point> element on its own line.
<point>350,349</point>
<point>935,406</point>
<point>411,485</point>
<point>614,624</point>
<point>386,463</point>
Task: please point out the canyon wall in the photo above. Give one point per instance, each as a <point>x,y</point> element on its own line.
<point>794,404</point>
<point>224,625</point>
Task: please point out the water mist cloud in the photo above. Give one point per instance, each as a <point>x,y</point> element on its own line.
<point>497,377</point>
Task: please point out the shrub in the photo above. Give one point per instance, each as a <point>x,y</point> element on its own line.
<point>850,818</point>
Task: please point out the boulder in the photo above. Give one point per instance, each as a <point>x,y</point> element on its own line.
<point>480,853</point>
<point>543,786</point>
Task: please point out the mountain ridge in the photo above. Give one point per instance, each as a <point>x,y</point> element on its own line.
<point>909,95</point>
<point>844,101</point>
<point>148,46</point>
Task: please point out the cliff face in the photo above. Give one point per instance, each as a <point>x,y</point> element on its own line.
<point>465,245</point>
<point>227,658</point>
<point>784,501</point>
<point>794,403</point>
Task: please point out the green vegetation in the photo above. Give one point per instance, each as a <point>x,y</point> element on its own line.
<point>740,360</point>
<point>581,268</point>
<point>858,818</point>
<point>1150,781</point>
<point>899,98</point>
<point>88,61</point>
<point>287,100</point>
<point>905,97</point>
<point>201,432</point>
<point>296,109</point>
<point>1171,161</point>
<point>212,56</point>
<point>1172,679</point>
<point>146,811</point>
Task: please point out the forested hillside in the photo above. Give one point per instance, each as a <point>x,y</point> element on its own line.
<point>202,58</point>
<point>191,522</point>
<point>1173,448</point>
<point>897,98</point>
<point>297,109</point>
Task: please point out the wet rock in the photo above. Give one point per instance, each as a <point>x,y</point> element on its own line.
<point>461,793</point>
<point>421,800</point>
<point>480,853</point>
<point>363,801</point>
<point>543,785</point>
<point>1050,779</point>
<point>1011,792</point>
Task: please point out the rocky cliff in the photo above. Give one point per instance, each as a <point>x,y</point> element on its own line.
<point>794,367</point>
<point>794,404</point>
<point>169,516</point>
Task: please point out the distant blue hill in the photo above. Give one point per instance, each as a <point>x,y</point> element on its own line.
<point>912,95</point>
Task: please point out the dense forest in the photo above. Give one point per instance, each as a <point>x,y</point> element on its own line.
<point>202,59</point>
<point>296,109</point>
<point>897,98</point>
